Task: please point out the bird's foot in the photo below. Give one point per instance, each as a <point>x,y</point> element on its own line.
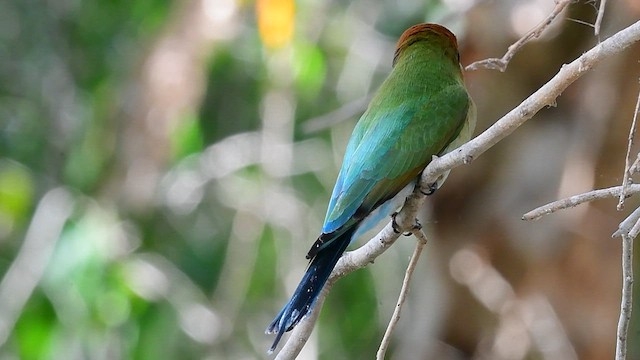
<point>396,227</point>
<point>417,225</point>
<point>431,188</point>
<point>394,224</point>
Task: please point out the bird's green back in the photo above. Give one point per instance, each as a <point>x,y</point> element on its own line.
<point>418,110</point>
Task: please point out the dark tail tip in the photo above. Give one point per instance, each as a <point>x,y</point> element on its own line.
<point>310,286</point>
<point>278,327</point>
<point>276,341</point>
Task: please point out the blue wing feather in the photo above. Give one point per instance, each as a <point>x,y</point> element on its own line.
<point>365,151</point>
<point>383,155</point>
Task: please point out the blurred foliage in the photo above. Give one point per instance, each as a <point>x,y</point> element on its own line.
<point>176,133</point>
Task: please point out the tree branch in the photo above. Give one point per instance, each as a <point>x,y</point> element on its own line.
<point>596,27</point>
<point>627,297</point>
<point>628,229</point>
<point>502,63</point>
<point>386,339</point>
<point>627,159</point>
<point>576,200</point>
<point>545,96</point>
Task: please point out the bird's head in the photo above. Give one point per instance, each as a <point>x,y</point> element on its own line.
<point>436,35</point>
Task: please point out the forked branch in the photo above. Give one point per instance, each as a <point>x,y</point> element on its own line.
<point>501,64</point>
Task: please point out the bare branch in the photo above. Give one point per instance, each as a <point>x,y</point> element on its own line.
<point>635,168</point>
<point>627,224</point>
<point>581,22</point>
<point>545,96</point>
<point>627,160</point>
<point>635,230</point>
<point>603,4</point>
<point>627,297</point>
<point>402,297</point>
<point>576,200</point>
<point>502,63</point>
<point>628,229</point>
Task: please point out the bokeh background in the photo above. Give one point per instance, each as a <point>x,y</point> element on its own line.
<point>164,166</point>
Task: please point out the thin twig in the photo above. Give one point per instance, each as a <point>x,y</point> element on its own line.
<point>627,161</point>
<point>635,230</point>
<point>581,22</point>
<point>576,200</point>
<point>545,96</point>
<point>628,232</point>
<point>603,4</point>
<point>402,297</point>
<point>636,165</point>
<point>627,224</point>
<point>627,297</point>
<point>501,63</point>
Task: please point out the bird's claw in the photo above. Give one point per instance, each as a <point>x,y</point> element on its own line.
<point>396,227</point>
<point>417,225</point>
<point>431,188</point>
<point>394,224</point>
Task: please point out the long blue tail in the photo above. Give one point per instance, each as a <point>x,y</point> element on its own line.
<point>310,286</point>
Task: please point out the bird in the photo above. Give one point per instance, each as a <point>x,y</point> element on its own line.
<point>421,109</point>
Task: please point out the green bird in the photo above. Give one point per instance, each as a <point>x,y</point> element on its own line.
<point>422,109</point>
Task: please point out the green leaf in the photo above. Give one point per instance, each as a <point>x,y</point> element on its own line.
<point>16,194</point>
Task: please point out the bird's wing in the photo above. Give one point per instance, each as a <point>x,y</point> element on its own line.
<point>388,149</point>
